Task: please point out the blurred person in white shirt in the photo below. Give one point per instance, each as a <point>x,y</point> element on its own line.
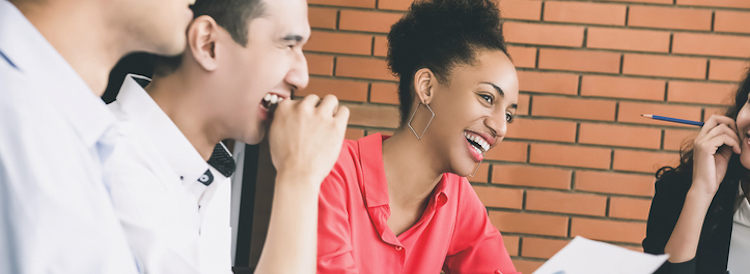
<point>56,215</point>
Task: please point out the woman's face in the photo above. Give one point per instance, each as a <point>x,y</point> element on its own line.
<point>743,128</point>
<point>472,110</point>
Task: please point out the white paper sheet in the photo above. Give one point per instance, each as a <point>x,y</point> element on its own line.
<point>584,256</point>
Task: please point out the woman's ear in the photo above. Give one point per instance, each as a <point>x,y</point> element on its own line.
<point>424,81</point>
<point>201,38</point>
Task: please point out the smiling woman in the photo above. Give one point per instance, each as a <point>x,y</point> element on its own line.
<point>399,204</point>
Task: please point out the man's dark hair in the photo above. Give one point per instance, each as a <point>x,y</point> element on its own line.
<point>438,35</point>
<point>232,15</point>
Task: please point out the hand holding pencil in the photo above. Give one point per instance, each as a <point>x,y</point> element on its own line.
<point>712,149</point>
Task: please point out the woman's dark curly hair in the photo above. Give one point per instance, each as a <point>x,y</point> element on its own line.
<point>438,35</point>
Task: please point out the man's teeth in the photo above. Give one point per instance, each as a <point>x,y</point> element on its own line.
<point>272,99</point>
<point>478,140</point>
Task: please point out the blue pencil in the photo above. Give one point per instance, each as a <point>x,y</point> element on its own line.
<point>674,120</point>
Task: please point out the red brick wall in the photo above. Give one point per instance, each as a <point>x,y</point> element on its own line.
<point>579,160</point>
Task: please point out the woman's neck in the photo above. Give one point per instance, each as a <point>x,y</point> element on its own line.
<point>410,168</point>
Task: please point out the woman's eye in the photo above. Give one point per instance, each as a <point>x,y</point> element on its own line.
<point>487,98</point>
<point>509,118</point>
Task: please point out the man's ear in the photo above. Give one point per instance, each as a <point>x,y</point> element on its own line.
<point>424,81</point>
<point>201,37</point>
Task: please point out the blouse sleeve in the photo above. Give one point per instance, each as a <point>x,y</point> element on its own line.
<point>662,218</point>
<point>334,231</point>
<point>476,246</point>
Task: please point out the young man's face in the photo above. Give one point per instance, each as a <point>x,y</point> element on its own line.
<point>271,63</point>
<point>156,26</point>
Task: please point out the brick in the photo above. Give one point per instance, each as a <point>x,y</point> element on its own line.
<point>623,87</point>
<point>629,208</point>
<point>727,70</point>
<point>386,93</point>
<point>574,108</point>
<point>586,13</point>
<point>714,3</point>
<point>533,176</point>
<point>628,39</point>
<point>363,68</point>
<point>578,60</point>
<point>731,21</point>
<point>700,92</point>
<point>525,266</point>
<point>373,115</point>
<point>664,66</point>
<point>541,248</point>
<point>380,46</point>
<point>521,9</point>
<point>529,223</point>
<point>382,132</point>
<point>510,151</point>
<point>345,3</point>
<point>619,135</point>
<point>606,230</point>
<point>500,197</point>
<point>324,18</point>
<point>543,34</point>
<point>669,18</point>
<point>644,1</point>
<point>369,21</point>
<point>711,44</point>
<point>512,244</point>
<point>548,82</point>
<point>523,104</point>
<point>564,155</point>
<point>394,4</point>
<point>523,57</point>
<point>561,131</point>
<point>643,161</point>
<point>674,139</point>
<point>345,90</point>
<point>354,133</point>
<point>615,183</point>
<point>335,42</point>
<point>630,112</point>
<point>482,174</point>
<point>564,202</point>
<point>319,64</point>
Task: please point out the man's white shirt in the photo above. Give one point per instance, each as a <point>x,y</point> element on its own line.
<point>173,205</point>
<point>56,215</point>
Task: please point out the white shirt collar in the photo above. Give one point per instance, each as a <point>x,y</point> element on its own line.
<point>138,110</point>
<point>31,54</point>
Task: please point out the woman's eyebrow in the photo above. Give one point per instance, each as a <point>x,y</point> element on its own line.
<point>498,89</point>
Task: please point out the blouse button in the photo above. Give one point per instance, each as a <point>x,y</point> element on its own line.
<point>398,248</point>
<point>498,272</point>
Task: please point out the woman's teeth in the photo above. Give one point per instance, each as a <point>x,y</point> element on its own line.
<point>476,140</point>
<point>272,99</point>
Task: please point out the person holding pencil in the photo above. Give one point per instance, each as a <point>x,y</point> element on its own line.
<point>700,213</point>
